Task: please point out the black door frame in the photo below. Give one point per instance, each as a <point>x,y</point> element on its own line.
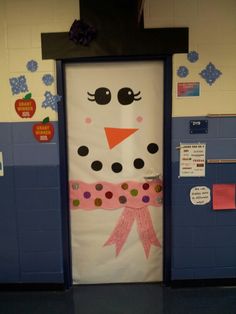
<point>62,131</point>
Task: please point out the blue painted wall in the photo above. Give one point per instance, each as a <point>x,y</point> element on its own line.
<point>203,240</point>
<point>30,213</point>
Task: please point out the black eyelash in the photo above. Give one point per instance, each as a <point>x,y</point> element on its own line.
<point>91,95</point>
<point>137,94</point>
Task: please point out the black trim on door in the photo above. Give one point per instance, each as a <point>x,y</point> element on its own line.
<point>67,266</point>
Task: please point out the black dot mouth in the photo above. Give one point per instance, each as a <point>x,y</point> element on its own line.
<point>117,167</point>
<point>83,151</point>
<point>96,165</point>
<point>138,163</point>
<point>152,148</point>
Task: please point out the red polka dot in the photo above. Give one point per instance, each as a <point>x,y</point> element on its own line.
<point>145,186</point>
<point>109,195</point>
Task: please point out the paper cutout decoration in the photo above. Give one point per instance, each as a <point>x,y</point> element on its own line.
<point>26,106</point>
<point>210,74</point>
<point>51,101</point>
<point>182,71</point>
<point>223,196</point>
<point>200,195</point>
<point>1,165</point>
<point>48,79</point>
<point>192,56</point>
<point>116,167</point>
<point>117,135</point>
<point>18,85</point>
<point>102,96</point>
<point>43,131</point>
<point>32,66</point>
<point>135,197</point>
<point>82,33</point>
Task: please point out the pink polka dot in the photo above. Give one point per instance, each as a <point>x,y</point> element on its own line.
<point>139,119</point>
<point>88,120</point>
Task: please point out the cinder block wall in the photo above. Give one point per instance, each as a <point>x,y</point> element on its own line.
<point>203,240</point>
<point>30,221</point>
<point>30,213</point>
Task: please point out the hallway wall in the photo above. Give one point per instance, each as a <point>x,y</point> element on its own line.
<point>30,215</point>
<point>203,243</point>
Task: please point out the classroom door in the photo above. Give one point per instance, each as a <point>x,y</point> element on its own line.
<point>115,152</point>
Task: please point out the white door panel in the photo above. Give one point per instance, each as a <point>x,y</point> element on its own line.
<point>115,148</point>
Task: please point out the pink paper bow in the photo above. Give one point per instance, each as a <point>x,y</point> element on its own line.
<point>145,229</point>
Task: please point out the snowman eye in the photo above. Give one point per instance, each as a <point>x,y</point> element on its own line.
<point>126,96</point>
<point>102,96</point>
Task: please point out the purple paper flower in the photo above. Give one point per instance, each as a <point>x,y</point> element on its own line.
<point>82,33</point>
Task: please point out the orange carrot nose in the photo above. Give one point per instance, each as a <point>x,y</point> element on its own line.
<point>117,135</point>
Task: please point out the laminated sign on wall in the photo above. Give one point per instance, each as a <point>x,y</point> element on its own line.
<point>1,165</point>
<point>192,160</point>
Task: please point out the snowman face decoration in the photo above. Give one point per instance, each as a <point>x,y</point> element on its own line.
<point>114,121</point>
<point>115,114</point>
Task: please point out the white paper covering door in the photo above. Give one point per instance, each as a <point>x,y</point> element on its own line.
<point>115,131</point>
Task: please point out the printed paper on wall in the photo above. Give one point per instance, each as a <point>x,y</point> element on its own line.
<point>192,160</point>
<point>1,165</point>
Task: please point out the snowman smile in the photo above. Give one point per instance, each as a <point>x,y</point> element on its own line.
<point>117,167</point>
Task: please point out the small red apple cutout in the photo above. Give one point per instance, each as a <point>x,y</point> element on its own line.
<point>43,131</point>
<point>25,107</point>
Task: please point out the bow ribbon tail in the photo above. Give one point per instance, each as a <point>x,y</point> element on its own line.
<point>122,230</point>
<point>146,231</point>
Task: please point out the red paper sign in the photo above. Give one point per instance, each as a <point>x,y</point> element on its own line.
<point>223,196</point>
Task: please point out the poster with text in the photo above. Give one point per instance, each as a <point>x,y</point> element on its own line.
<point>192,160</point>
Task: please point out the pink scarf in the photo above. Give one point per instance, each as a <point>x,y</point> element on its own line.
<point>133,196</point>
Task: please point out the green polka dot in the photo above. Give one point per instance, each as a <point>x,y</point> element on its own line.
<point>76,202</point>
<point>134,192</point>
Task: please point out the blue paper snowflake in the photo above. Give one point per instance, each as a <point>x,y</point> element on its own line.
<point>210,73</point>
<point>18,85</point>
<point>192,56</point>
<point>48,79</point>
<point>51,101</point>
<point>182,71</point>
<point>32,65</point>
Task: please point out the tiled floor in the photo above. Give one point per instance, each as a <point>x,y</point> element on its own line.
<point>122,299</point>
